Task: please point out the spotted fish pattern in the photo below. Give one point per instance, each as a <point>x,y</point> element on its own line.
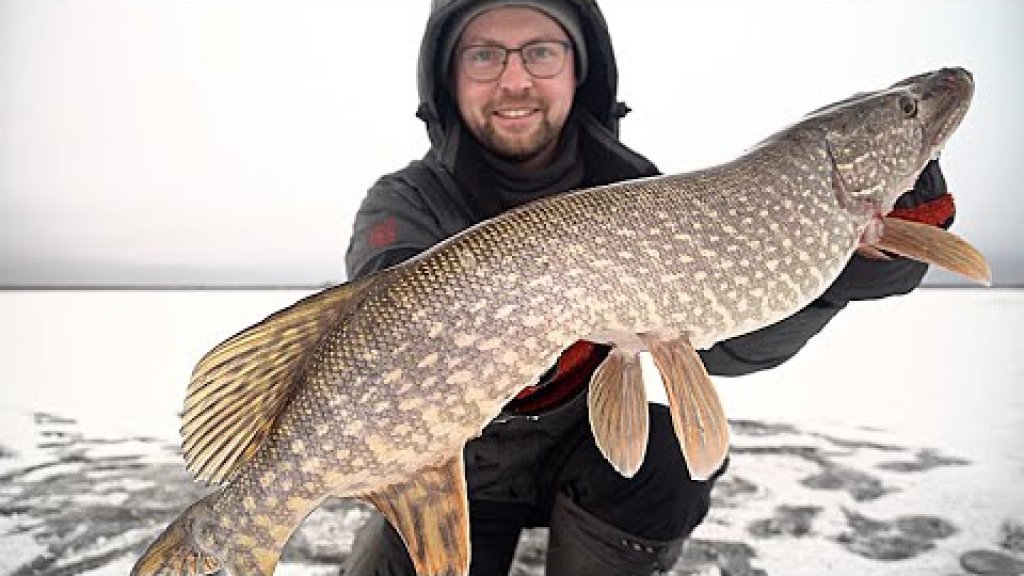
<point>372,389</point>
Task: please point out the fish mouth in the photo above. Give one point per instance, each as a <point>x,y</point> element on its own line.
<point>945,96</point>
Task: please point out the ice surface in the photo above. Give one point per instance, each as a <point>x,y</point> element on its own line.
<point>903,416</point>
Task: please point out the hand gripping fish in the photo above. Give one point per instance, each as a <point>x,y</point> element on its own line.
<point>371,389</point>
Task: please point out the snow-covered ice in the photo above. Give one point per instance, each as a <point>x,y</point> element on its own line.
<point>890,445</point>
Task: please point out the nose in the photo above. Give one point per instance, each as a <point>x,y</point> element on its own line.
<point>515,78</point>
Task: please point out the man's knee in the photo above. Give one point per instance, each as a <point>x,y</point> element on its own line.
<point>581,543</point>
<point>661,502</point>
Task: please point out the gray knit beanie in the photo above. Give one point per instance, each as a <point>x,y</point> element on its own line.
<point>560,11</point>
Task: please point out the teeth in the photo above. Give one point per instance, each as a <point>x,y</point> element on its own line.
<point>514,113</point>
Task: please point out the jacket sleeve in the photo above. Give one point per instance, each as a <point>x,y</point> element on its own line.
<point>862,279</point>
<point>392,225</point>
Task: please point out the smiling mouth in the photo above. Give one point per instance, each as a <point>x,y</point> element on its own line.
<point>515,113</point>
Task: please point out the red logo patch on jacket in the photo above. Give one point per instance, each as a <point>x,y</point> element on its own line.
<point>383,233</point>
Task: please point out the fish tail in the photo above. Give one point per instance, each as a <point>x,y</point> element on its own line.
<point>175,553</point>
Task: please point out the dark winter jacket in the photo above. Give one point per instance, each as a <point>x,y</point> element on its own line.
<point>450,189</point>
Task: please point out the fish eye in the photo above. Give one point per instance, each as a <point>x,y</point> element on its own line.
<point>908,106</point>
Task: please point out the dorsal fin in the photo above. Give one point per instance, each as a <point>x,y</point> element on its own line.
<point>240,388</point>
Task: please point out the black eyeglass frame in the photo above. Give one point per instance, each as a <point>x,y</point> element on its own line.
<point>507,52</point>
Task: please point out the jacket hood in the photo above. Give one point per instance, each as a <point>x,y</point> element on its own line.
<point>596,94</point>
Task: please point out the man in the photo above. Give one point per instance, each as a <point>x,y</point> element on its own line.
<point>519,98</point>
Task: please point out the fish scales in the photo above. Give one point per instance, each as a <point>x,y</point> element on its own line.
<point>700,275</point>
<point>424,354</point>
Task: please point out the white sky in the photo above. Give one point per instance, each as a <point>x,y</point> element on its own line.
<point>230,142</point>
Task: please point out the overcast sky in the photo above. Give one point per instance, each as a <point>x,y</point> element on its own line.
<point>154,142</point>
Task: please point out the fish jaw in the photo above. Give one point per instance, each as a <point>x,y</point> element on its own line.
<point>945,96</point>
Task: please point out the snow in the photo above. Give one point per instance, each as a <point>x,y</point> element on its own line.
<point>116,361</point>
<point>922,392</point>
<point>938,369</point>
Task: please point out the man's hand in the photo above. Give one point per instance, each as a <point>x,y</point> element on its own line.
<point>929,202</point>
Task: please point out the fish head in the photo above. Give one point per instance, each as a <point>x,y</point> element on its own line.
<point>878,143</point>
<point>876,146</point>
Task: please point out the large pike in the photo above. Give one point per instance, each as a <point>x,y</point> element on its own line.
<point>372,388</point>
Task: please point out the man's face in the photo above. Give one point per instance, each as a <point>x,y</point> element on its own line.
<point>516,115</point>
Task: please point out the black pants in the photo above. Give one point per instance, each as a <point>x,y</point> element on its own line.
<point>547,471</point>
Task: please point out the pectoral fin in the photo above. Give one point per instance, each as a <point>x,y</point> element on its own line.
<point>618,411</point>
<point>935,246</point>
<point>697,414</point>
<point>431,513</point>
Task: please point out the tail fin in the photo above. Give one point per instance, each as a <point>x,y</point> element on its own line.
<point>174,552</point>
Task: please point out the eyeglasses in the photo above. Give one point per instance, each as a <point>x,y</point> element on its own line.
<point>542,59</point>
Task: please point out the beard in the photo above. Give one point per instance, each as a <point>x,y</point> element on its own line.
<point>520,147</point>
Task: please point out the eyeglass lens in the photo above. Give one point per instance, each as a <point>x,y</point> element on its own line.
<point>543,59</point>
